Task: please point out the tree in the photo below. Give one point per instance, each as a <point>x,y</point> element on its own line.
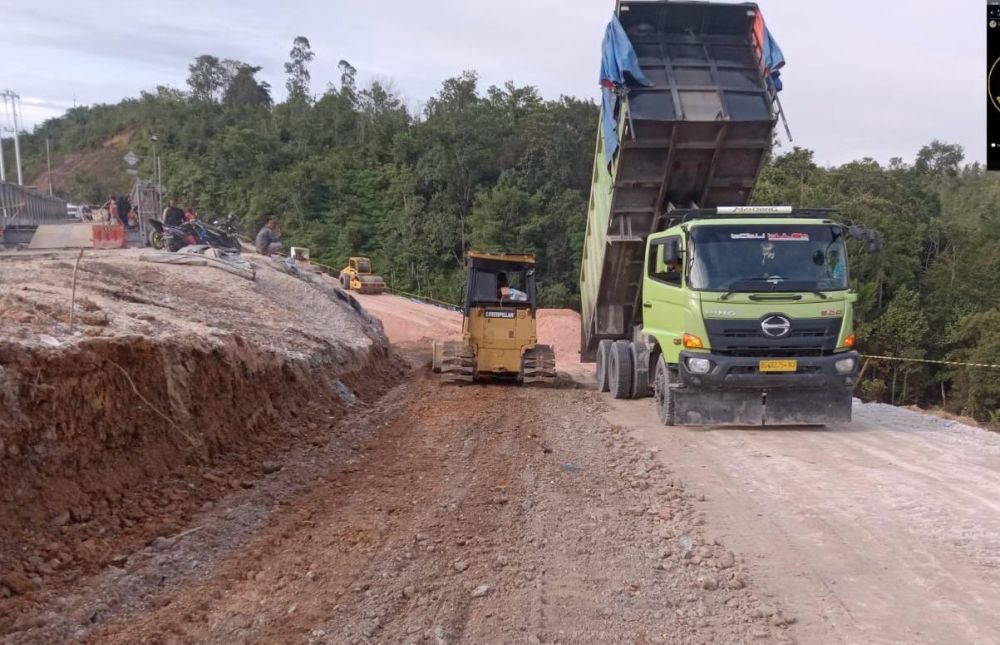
<point>297,68</point>
<point>901,332</point>
<point>205,78</point>
<point>939,158</point>
<point>348,81</point>
<point>246,91</point>
<point>976,339</point>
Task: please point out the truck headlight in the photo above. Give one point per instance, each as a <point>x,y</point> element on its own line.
<point>845,365</point>
<point>699,365</point>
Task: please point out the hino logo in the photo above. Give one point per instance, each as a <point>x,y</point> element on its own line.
<point>776,326</point>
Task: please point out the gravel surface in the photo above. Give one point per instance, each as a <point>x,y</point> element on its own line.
<point>885,530</point>
<point>452,524</point>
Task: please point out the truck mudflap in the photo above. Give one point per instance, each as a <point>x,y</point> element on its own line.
<point>697,406</point>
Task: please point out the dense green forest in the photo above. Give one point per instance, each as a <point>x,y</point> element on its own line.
<point>350,170</point>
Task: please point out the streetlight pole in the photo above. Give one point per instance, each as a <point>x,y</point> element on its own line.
<point>48,164</point>
<point>3,119</point>
<point>3,170</point>
<point>156,159</point>
<point>15,110</point>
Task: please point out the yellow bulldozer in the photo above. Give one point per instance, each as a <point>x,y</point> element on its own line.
<point>358,276</point>
<point>499,338</point>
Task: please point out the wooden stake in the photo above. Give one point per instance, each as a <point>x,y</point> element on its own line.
<point>72,302</point>
<point>861,374</point>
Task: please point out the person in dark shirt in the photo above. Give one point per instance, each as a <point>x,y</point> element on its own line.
<point>172,215</point>
<point>268,241</point>
<point>124,208</point>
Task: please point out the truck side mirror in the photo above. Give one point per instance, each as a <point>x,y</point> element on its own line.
<point>671,252</point>
<point>874,242</point>
<point>870,238</point>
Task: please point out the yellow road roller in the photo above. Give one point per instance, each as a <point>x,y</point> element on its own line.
<point>358,276</point>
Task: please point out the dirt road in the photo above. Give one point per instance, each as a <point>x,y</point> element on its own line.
<point>883,531</point>
<point>476,514</point>
<point>436,513</point>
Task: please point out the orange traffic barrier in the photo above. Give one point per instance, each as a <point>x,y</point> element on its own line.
<point>109,236</point>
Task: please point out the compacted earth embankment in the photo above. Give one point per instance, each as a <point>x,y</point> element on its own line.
<point>172,386</point>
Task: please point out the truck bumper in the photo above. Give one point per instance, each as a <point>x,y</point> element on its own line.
<point>737,392</point>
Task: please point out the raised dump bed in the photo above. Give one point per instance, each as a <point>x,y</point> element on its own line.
<point>696,137</point>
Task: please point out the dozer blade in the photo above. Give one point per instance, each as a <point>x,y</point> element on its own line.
<point>457,362</point>
<point>538,365</point>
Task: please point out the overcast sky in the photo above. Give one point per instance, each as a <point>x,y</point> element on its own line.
<point>874,78</point>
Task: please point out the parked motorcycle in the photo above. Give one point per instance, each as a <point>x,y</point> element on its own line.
<point>223,234</point>
<point>173,238</point>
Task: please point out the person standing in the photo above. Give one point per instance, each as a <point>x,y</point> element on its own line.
<point>124,208</point>
<point>268,241</point>
<point>113,210</point>
<point>172,215</point>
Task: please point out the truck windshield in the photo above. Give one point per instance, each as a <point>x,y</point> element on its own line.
<point>768,257</point>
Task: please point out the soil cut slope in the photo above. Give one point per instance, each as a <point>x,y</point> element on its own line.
<point>107,430</point>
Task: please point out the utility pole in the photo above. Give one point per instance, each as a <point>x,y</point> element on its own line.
<point>48,163</point>
<point>3,118</point>
<point>156,161</point>
<point>18,124</point>
<point>15,111</point>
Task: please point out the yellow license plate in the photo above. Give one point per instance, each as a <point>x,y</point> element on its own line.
<point>779,366</point>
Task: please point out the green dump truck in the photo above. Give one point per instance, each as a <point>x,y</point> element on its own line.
<point>725,313</point>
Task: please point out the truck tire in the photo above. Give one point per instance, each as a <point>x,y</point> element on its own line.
<point>603,358</point>
<point>345,282</point>
<point>620,370</point>
<point>663,393</point>
<point>640,371</point>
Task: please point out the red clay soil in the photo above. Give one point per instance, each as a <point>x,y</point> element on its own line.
<point>104,162</point>
<point>169,371</point>
<point>560,328</point>
<point>411,322</point>
<point>452,523</point>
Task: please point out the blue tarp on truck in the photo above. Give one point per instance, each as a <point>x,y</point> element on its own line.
<point>618,58</point>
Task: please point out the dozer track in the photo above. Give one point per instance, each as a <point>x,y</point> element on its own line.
<point>457,363</point>
<point>538,365</point>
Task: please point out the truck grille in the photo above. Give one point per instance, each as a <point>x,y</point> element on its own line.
<point>808,337</point>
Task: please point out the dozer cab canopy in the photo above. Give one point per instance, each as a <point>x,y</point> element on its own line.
<point>499,333</point>
<point>500,279</point>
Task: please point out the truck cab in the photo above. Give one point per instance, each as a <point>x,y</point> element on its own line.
<point>749,320</point>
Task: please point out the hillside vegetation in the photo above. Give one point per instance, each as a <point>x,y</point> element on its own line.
<point>350,170</point>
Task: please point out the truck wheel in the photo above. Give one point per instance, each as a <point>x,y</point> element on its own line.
<point>345,282</point>
<point>603,358</point>
<point>620,370</point>
<point>663,393</point>
<point>640,371</point>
